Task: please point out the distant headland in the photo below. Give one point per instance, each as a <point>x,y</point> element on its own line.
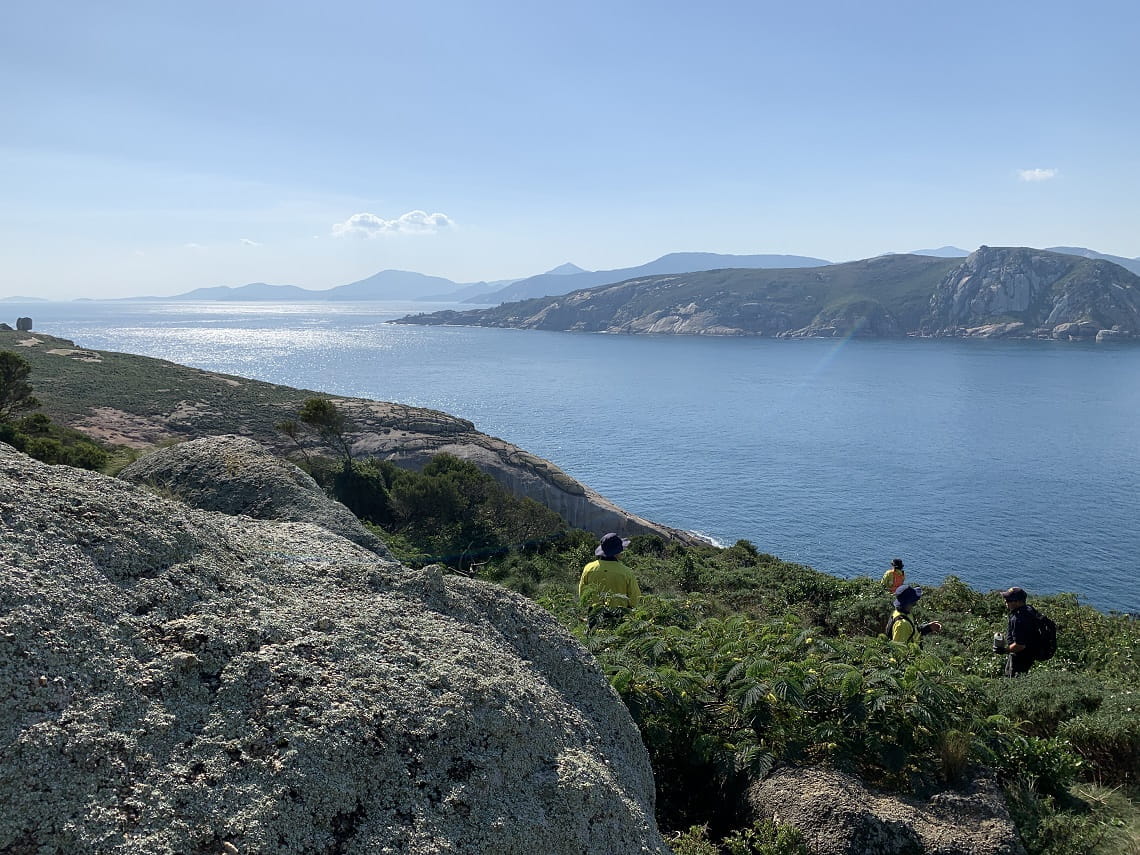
<point>995,292</point>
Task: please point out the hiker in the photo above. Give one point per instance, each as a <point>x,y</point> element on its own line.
<point>901,627</point>
<point>607,583</point>
<point>1022,634</point>
<point>894,576</point>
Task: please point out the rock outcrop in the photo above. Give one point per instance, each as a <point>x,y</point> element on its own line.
<point>24,324</point>
<point>838,815</point>
<point>1050,294</point>
<point>235,475</point>
<point>856,319</point>
<point>178,680</point>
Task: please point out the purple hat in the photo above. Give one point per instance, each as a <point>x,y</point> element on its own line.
<point>610,546</point>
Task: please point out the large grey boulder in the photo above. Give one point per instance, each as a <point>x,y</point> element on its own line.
<point>235,475</point>
<point>174,680</point>
<point>838,815</point>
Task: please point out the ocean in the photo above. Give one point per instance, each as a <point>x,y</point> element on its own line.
<point>1002,463</point>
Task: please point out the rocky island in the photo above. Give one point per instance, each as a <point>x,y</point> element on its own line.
<point>1010,292</point>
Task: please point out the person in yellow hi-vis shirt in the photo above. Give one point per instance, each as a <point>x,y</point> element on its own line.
<point>894,576</point>
<point>606,583</point>
<point>901,627</point>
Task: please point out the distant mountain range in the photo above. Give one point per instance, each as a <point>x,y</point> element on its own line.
<point>942,252</point>
<point>408,285</point>
<point>994,292</point>
<point>1132,264</point>
<point>557,282</point>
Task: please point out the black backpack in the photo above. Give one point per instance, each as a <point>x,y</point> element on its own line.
<point>1046,638</point>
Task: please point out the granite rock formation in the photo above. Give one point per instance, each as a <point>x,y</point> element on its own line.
<point>235,475</point>
<point>1026,292</point>
<point>838,815</point>
<point>175,680</point>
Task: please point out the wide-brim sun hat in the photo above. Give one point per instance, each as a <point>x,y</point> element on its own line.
<point>610,545</point>
<point>907,595</point>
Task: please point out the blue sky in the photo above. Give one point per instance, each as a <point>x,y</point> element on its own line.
<point>151,147</point>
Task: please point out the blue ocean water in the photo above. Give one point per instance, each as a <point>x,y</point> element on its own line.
<point>1004,463</point>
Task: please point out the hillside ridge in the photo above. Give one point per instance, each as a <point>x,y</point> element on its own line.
<point>1010,292</point>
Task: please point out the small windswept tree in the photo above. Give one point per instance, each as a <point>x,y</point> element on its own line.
<point>291,429</point>
<point>15,390</point>
<point>322,417</point>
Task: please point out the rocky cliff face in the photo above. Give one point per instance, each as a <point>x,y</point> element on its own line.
<point>1027,292</point>
<point>182,681</point>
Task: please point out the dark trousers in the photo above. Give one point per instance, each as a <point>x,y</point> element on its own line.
<point>1016,665</point>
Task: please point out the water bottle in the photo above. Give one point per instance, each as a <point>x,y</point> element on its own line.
<point>999,643</point>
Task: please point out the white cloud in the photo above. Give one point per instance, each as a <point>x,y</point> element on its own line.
<point>193,246</point>
<point>249,242</point>
<point>413,222</point>
<point>1036,174</point>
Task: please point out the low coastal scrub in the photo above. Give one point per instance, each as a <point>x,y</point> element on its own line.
<point>34,433</point>
<point>737,662</point>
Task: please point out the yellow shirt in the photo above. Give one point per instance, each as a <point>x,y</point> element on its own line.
<point>903,629</point>
<point>610,581</point>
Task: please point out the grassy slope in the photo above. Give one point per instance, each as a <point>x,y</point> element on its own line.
<point>70,388</point>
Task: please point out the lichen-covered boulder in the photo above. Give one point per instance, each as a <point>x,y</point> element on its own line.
<point>839,815</point>
<point>235,475</point>
<point>180,681</point>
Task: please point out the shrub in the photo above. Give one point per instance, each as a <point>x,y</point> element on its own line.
<point>1047,831</point>
<point>1108,740</point>
<point>1042,700</point>
<point>15,391</point>
<point>1040,765</point>
<point>364,491</point>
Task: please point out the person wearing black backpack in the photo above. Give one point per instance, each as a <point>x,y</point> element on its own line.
<point>1023,633</point>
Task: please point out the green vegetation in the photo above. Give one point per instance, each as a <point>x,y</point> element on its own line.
<point>323,418</point>
<point>15,390</point>
<point>70,388</point>
<point>37,435</point>
<point>737,661</point>
<point>450,513</point>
